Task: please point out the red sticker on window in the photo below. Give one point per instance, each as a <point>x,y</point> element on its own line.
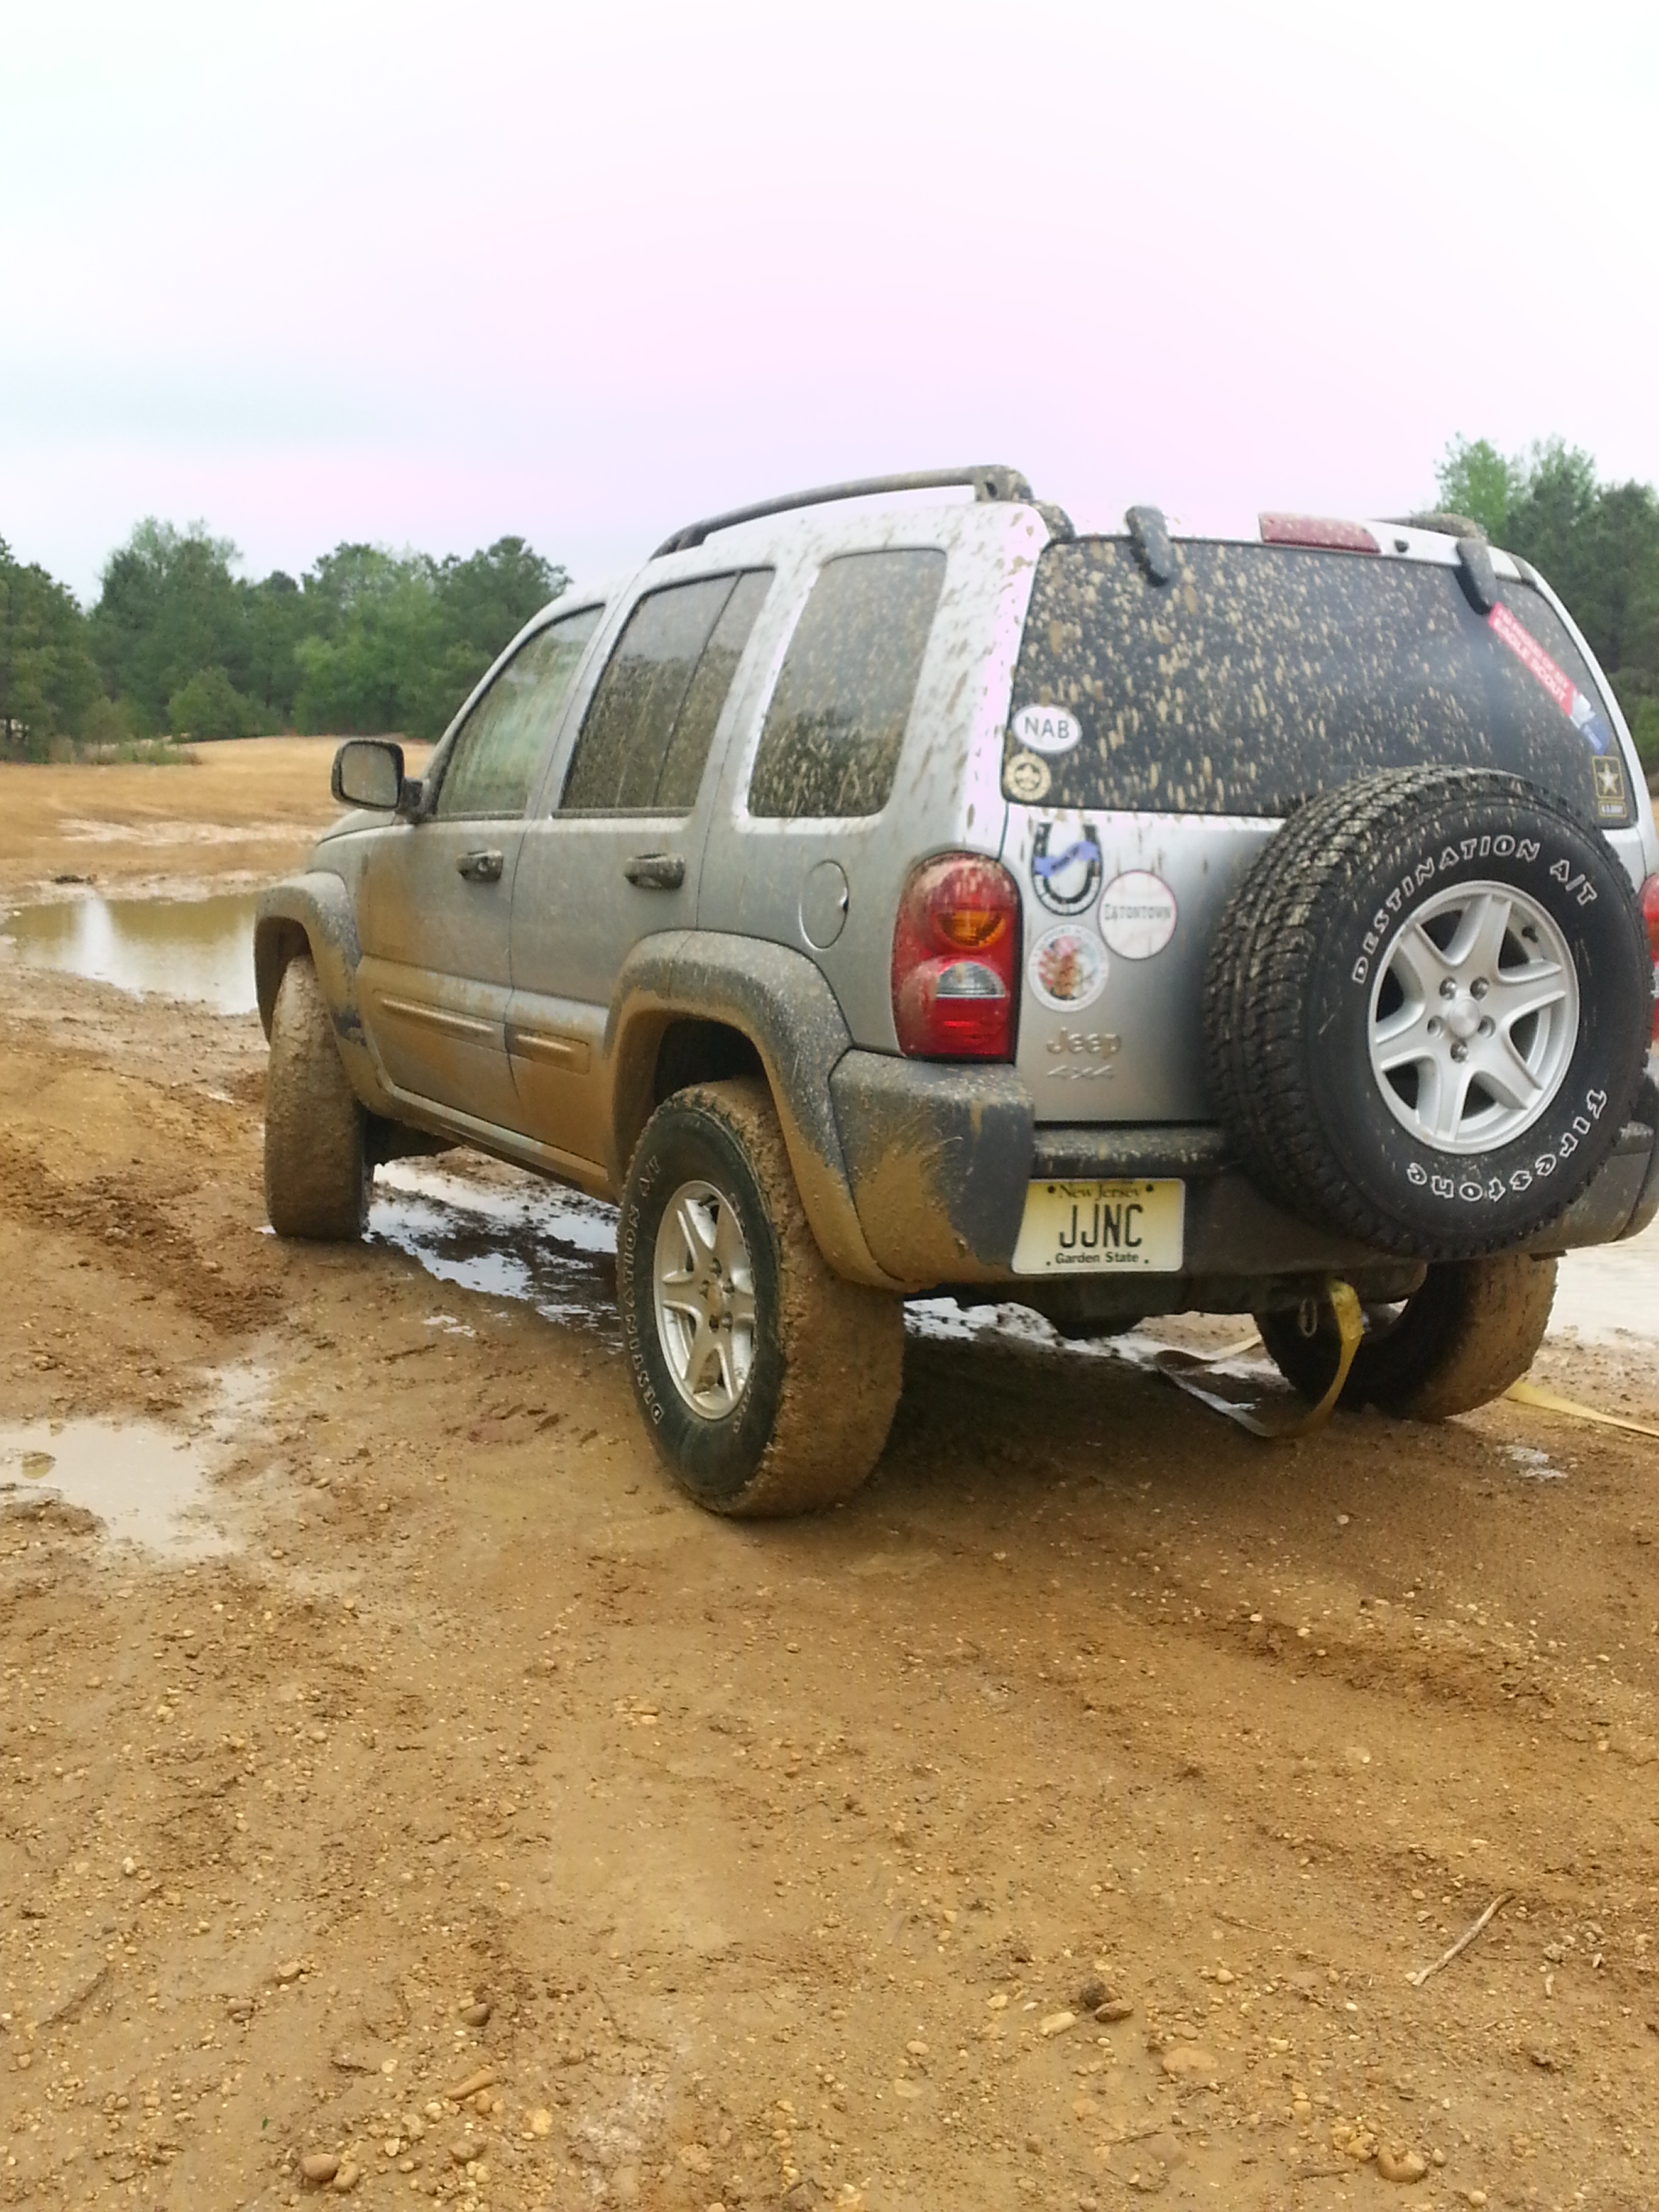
<point>1555,680</point>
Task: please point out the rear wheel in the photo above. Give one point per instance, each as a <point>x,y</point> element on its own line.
<point>1473,1329</point>
<point>767,1382</point>
<point>317,1175</point>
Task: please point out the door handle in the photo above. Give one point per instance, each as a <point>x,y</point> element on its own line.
<point>480,867</point>
<point>655,872</point>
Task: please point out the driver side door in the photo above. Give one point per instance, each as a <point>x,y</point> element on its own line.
<point>436,893</point>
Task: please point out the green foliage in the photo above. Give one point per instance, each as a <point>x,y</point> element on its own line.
<point>170,607</point>
<point>209,706</point>
<point>399,640</point>
<point>47,679</point>
<point>1598,544</point>
<point>1477,481</point>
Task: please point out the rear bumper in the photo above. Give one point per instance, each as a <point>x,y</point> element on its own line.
<point>940,1156</point>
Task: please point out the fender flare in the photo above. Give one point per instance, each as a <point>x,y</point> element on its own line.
<point>780,1001</point>
<point>313,912</point>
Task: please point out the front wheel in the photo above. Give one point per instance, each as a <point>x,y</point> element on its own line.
<point>767,1382</point>
<point>317,1175</point>
<point>1473,1329</point>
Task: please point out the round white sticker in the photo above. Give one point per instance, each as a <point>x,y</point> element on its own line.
<point>1046,729</point>
<point>1138,914</point>
<point>1027,777</point>
<point>1067,969</point>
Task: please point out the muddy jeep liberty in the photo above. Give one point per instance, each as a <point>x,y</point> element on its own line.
<point>877,896</point>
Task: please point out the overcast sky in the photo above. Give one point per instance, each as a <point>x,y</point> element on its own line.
<point>428,275</point>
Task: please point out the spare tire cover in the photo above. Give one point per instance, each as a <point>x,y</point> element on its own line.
<point>1427,1011</point>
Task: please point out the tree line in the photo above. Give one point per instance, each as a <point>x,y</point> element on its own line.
<point>368,640</point>
<point>179,646</point>
<point>1598,543</point>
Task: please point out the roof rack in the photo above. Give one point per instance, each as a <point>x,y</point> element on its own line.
<point>988,482</point>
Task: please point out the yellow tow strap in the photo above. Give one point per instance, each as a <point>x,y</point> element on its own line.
<point>1533,1393</point>
<point>1177,1367</point>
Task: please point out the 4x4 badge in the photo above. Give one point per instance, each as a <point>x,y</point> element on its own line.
<point>1066,876</point>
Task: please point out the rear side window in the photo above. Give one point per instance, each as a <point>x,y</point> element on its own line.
<point>493,760</point>
<point>831,739</point>
<point>1262,675</point>
<point>647,729</point>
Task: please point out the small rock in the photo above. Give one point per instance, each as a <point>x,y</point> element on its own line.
<point>1400,2165</point>
<point>1093,1994</point>
<point>1190,2062</point>
<point>483,2079</point>
<point>349,2060</point>
<point>475,2015</point>
<point>1223,1977</point>
<point>541,2121</point>
<point>694,2159</point>
<point>1057,2023</point>
<point>348,2178</point>
<point>1113,2008</point>
<point>463,2150</point>
<point>319,2168</point>
<point>129,1866</point>
<point>288,1970</point>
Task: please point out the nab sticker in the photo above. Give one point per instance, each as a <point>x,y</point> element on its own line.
<point>1027,777</point>
<point>1138,914</point>
<point>1046,729</point>
<point>1067,969</point>
<point>1066,869</point>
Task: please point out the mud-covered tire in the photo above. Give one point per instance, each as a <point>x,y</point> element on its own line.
<point>1310,938</point>
<point>1459,1342</point>
<point>317,1175</point>
<point>824,1356</point>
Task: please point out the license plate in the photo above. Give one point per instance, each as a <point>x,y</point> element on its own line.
<point>1081,1228</point>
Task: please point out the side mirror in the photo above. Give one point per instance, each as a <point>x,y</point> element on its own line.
<point>369,772</point>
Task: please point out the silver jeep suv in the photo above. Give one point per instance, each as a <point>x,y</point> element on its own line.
<point>890,890</point>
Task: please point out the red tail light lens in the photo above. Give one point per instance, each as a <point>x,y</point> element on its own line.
<point>1651,915</point>
<point>956,960</point>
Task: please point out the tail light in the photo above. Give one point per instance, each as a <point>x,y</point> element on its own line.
<point>1651,915</point>
<point>956,960</point>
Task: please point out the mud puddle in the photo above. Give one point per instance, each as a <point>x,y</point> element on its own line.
<point>540,1245</point>
<point>200,950</point>
<point>149,1484</point>
<point>1610,1294</point>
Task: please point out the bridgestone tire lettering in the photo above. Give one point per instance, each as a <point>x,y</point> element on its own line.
<point>1288,996</point>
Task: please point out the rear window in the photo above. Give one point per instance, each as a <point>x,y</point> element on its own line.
<point>1262,675</point>
<point>830,742</point>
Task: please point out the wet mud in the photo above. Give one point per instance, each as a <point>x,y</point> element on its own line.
<point>424,1788</point>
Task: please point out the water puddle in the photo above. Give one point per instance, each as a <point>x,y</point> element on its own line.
<point>1610,1294</point>
<point>554,1249</point>
<point>197,949</point>
<point>150,1485</point>
<point>541,1245</point>
<point>146,1484</point>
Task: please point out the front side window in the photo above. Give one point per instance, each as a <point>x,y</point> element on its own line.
<point>493,760</point>
<point>646,735</point>
<point>831,744</point>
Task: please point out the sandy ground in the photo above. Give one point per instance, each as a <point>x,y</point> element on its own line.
<point>393,1771</point>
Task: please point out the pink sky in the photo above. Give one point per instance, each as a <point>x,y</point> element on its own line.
<point>428,275</point>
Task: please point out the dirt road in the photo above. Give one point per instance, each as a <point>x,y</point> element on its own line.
<point>394,1773</point>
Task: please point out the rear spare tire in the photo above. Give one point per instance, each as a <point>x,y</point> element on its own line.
<point>1427,1012</point>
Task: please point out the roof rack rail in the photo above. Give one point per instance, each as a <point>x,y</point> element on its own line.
<point>988,482</point>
